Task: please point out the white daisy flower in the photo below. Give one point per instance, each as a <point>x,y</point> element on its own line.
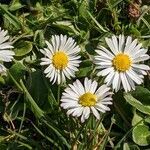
<point>6,55</point>
<point>81,100</point>
<point>121,63</point>
<point>61,58</point>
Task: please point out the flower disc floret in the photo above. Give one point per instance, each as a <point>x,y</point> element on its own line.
<point>60,60</point>
<point>87,99</point>
<point>121,62</point>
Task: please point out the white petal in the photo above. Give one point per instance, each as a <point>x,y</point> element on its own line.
<point>128,42</point>
<point>95,112</point>
<point>105,71</point>
<point>111,55</point>
<point>86,112</point>
<point>115,43</point>
<point>136,49</point>
<point>93,87</point>
<point>141,66</point>
<point>111,45</point>
<point>109,79</point>
<point>103,107</point>
<point>104,55</point>
<point>134,76</point>
<point>132,47</point>
<point>141,58</point>
<point>121,42</point>
<point>50,47</point>
<point>2,69</point>
<point>115,81</point>
<point>124,83</point>
<point>139,53</point>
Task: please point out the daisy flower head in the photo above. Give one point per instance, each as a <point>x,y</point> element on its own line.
<point>82,99</point>
<point>61,58</point>
<point>6,55</point>
<point>120,64</point>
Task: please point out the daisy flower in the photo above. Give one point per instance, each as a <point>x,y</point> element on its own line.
<point>61,58</point>
<point>6,55</point>
<point>81,100</point>
<point>120,64</point>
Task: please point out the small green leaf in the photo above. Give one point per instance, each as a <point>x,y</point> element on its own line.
<point>136,118</point>
<point>84,71</point>
<point>137,104</point>
<point>2,81</point>
<point>66,25</point>
<point>15,6</point>
<point>22,48</point>
<point>141,135</point>
<point>18,71</point>
<point>126,146</point>
<point>142,94</point>
<point>39,38</point>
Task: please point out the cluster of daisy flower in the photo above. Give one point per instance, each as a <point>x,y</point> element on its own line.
<point>119,63</point>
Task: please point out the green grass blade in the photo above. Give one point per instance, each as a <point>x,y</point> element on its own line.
<point>45,136</point>
<point>96,22</point>
<point>57,133</point>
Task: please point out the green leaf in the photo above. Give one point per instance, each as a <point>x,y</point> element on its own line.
<point>142,94</point>
<point>83,7</point>
<point>141,135</point>
<point>2,81</point>
<point>10,17</point>
<point>18,71</point>
<point>84,71</point>
<point>39,38</point>
<point>137,104</point>
<point>15,5</point>
<point>136,118</point>
<point>126,146</point>
<point>22,48</point>
<point>66,25</point>
<point>40,92</point>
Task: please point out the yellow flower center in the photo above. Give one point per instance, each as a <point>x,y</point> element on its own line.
<point>60,60</point>
<point>87,99</point>
<point>121,62</point>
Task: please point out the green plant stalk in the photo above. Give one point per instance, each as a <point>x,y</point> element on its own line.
<point>96,22</point>
<point>23,116</point>
<point>46,137</point>
<point>35,108</point>
<point>57,133</point>
<point>107,137</point>
<point>80,131</point>
<point>16,83</point>
<point>24,144</point>
<point>96,127</point>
